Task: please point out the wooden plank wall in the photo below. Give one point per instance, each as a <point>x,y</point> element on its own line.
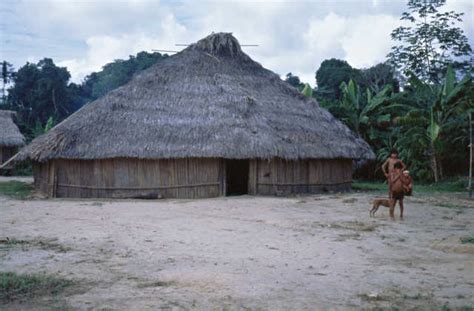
<point>41,176</point>
<point>131,178</point>
<point>283,177</point>
<point>186,178</point>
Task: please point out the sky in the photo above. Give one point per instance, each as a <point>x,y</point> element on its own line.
<point>293,36</point>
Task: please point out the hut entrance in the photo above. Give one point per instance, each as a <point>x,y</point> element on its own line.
<point>237,177</point>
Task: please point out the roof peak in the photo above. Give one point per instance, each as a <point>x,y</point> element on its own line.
<point>221,43</point>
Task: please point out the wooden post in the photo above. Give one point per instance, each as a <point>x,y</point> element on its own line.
<point>52,181</point>
<point>252,182</point>
<point>223,178</point>
<point>471,146</point>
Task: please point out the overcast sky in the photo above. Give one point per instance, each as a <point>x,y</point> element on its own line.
<point>293,36</point>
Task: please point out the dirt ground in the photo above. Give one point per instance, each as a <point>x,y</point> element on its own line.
<point>245,253</point>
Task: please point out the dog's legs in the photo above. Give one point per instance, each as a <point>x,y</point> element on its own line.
<point>374,209</point>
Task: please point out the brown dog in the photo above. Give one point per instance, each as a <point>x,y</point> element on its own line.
<point>377,202</point>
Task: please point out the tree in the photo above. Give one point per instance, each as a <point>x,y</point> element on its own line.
<point>434,118</point>
<point>294,81</point>
<point>377,77</point>
<point>331,74</point>
<point>7,75</point>
<point>364,112</point>
<point>40,92</point>
<point>430,42</point>
<point>116,74</point>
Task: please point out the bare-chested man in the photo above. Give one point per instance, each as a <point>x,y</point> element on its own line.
<point>398,184</point>
<point>388,167</point>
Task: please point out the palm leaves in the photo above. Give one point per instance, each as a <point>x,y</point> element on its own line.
<point>434,114</point>
<point>422,122</point>
<point>365,113</point>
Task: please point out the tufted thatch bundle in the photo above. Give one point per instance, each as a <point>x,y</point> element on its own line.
<point>10,135</point>
<point>210,100</point>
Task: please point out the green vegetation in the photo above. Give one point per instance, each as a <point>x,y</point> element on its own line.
<point>426,121</point>
<point>16,189</point>
<point>414,297</point>
<point>429,41</point>
<point>444,186</point>
<point>42,94</point>
<point>467,240</point>
<point>156,284</point>
<point>452,205</point>
<point>49,244</point>
<point>18,287</point>
<point>446,307</point>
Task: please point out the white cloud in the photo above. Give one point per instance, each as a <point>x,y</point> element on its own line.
<point>367,39</point>
<point>104,49</point>
<point>294,36</point>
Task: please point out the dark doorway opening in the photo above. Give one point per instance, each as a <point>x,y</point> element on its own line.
<point>237,177</point>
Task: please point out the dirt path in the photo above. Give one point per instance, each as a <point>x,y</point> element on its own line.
<point>317,252</point>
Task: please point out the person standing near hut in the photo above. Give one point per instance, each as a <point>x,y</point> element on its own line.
<point>388,167</point>
<point>398,183</point>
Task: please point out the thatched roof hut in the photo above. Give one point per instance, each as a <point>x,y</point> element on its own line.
<point>171,129</point>
<point>10,136</point>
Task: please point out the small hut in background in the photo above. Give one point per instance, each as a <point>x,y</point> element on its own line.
<point>208,121</point>
<point>10,136</point>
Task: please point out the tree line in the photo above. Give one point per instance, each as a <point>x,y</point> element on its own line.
<point>417,101</point>
<point>42,94</point>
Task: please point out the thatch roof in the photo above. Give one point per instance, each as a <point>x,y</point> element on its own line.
<point>10,135</point>
<point>209,100</point>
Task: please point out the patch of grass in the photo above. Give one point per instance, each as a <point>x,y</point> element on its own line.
<point>350,200</point>
<point>457,185</point>
<point>17,287</point>
<point>452,205</point>
<point>415,297</point>
<point>15,189</point>
<point>156,284</point>
<point>43,244</point>
<point>369,185</point>
<point>13,242</point>
<point>467,240</point>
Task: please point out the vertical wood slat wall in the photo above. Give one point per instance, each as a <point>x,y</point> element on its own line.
<point>284,177</point>
<point>186,178</point>
<point>128,178</point>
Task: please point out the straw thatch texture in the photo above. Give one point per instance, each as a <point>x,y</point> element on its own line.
<point>208,101</point>
<point>10,135</point>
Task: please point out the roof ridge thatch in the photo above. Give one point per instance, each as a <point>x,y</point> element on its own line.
<point>209,100</point>
<point>10,135</point>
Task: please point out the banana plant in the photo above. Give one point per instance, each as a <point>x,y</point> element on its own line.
<point>307,90</point>
<point>363,112</point>
<point>435,110</point>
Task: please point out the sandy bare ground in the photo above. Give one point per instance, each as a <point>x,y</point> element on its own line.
<point>245,253</point>
<point>26,179</point>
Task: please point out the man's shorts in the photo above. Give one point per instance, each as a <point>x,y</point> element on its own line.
<point>398,196</point>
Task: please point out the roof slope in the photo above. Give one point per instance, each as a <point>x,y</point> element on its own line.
<point>209,100</point>
<point>10,135</point>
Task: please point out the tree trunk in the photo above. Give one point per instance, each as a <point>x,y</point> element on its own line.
<point>440,169</point>
<point>53,95</point>
<point>434,163</point>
